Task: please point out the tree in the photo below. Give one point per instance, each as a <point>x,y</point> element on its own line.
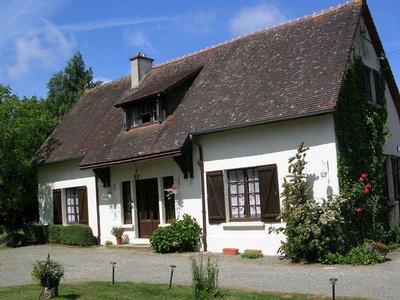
<point>24,125</point>
<point>65,87</point>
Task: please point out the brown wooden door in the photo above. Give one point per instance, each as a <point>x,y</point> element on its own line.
<point>148,209</point>
<point>57,210</point>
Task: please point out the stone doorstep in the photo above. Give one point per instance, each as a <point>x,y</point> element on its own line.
<point>142,247</point>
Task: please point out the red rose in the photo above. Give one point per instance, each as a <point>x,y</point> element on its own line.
<point>360,179</point>
<point>366,192</point>
<point>359,210</point>
<point>363,175</point>
<point>368,186</point>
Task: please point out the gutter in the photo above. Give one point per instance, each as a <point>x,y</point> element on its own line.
<point>172,153</point>
<point>203,196</point>
<point>97,209</point>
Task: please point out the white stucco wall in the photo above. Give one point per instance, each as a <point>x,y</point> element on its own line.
<point>263,145</point>
<point>65,175</point>
<point>187,199</point>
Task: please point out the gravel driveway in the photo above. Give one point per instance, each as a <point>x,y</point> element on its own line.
<point>269,273</point>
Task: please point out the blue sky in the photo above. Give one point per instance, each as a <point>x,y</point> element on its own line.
<point>37,37</point>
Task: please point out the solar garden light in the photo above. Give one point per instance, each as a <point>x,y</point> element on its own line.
<point>333,282</point>
<point>113,263</point>
<point>172,268</point>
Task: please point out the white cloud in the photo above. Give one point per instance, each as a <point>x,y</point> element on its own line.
<point>41,47</point>
<point>256,17</point>
<point>29,42</point>
<point>138,40</point>
<point>110,23</point>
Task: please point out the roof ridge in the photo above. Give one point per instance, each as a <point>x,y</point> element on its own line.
<point>313,15</point>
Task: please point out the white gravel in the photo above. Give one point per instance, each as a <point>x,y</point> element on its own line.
<point>269,273</point>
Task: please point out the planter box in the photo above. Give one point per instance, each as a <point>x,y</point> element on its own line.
<point>230,251</point>
<point>252,251</point>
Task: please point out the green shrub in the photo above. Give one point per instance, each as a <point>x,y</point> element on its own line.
<point>75,234</point>
<point>205,277</point>
<point>108,243</point>
<point>56,234</point>
<point>365,254</point>
<point>35,234</point>
<point>181,235</point>
<point>79,235</point>
<point>162,241</point>
<point>251,255</point>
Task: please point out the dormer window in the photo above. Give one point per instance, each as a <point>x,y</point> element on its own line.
<point>141,113</point>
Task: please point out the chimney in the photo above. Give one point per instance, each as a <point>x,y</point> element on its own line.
<point>140,65</point>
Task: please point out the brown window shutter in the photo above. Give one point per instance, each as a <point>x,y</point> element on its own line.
<point>83,205</point>
<point>269,192</point>
<point>215,200</point>
<point>57,210</point>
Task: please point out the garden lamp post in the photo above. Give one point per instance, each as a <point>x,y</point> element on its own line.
<point>333,281</point>
<point>172,268</point>
<point>113,270</point>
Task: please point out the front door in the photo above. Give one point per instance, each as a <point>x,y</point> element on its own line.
<point>148,208</point>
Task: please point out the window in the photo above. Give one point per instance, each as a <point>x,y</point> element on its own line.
<point>169,198</point>
<point>141,113</point>
<point>252,193</point>
<point>127,201</point>
<point>244,193</point>
<point>77,209</point>
<point>371,85</point>
<point>57,210</point>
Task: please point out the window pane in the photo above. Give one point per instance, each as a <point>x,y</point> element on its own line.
<point>233,189</point>
<point>251,187</point>
<point>258,210</point>
<point>235,212</point>
<point>241,200</point>
<point>251,199</point>
<point>241,212</point>
<point>257,199</point>
<point>234,200</point>
<point>232,177</point>
<point>240,188</point>
<point>252,211</point>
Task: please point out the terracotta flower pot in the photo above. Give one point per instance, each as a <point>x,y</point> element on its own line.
<point>119,240</point>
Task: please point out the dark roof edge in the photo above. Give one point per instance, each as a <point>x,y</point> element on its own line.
<point>60,160</point>
<point>171,153</point>
<point>274,120</point>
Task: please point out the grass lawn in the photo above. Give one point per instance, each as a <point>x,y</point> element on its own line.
<point>129,290</point>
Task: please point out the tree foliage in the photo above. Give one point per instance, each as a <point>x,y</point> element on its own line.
<point>65,87</point>
<point>312,228</point>
<point>24,125</point>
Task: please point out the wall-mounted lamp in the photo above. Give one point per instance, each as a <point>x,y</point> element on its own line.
<point>136,174</point>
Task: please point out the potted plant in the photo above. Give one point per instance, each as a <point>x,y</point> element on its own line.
<point>118,232</point>
<point>48,273</point>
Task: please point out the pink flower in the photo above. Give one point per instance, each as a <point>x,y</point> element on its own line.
<point>363,175</point>
<point>368,186</point>
<point>359,210</point>
<point>366,191</point>
<point>360,179</point>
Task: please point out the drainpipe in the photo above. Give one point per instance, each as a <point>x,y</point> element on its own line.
<point>97,209</point>
<point>203,196</point>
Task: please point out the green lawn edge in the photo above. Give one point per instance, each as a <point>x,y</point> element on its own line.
<point>147,291</point>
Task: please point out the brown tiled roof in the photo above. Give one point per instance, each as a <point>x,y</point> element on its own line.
<point>287,71</point>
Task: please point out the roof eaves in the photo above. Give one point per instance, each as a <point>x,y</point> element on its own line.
<point>171,153</point>
<point>270,121</point>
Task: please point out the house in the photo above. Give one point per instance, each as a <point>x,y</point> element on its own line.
<point>209,134</point>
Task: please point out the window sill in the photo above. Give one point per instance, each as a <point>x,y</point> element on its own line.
<point>244,226</point>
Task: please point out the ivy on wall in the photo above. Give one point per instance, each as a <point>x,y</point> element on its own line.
<point>361,132</point>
